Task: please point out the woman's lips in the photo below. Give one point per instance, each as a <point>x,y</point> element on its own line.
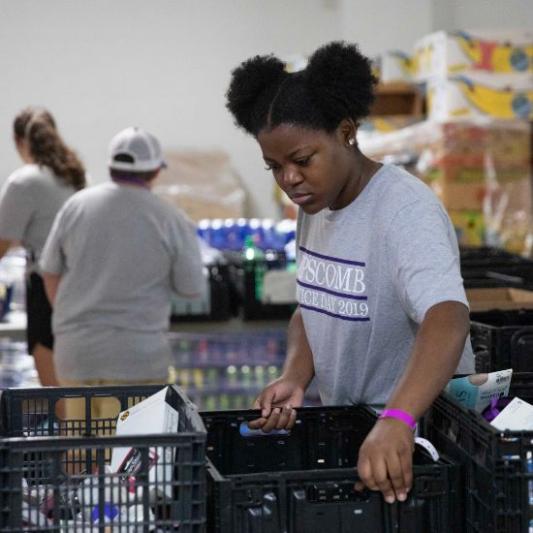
<point>301,199</point>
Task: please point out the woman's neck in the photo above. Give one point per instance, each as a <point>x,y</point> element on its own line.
<point>360,174</point>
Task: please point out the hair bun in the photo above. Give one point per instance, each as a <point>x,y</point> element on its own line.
<point>339,72</point>
<point>249,81</point>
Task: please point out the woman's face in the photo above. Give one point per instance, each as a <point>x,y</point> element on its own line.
<point>313,167</point>
<point>24,150</point>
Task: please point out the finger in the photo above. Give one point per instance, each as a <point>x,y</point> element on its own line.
<point>284,419</point>
<point>395,474</point>
<point>380,474</point>
<point>292,419</point>
<point>359,486</point>
<point>406,461</point>
<point>264,402</point>
<point>364,469</point>
<point>258,423</point>
<point>272,420</point>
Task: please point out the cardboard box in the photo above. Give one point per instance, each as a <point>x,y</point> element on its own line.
<point>481,95</point>
<point>386,124</point>
<point>396,66</point>
<point>500,298</point>
<point>504,51</point>
<point>156,414</point>
<point>204,184</point>
<point>484,196</point>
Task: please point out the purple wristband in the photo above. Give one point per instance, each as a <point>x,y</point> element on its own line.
<point>404,417</point>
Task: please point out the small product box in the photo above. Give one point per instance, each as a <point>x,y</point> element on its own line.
<point>155,415</point>
<point>517,416</point>
<point>477,391</point>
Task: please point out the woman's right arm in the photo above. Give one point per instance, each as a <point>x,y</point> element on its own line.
<point>5,245</point>
<point>278,400</point>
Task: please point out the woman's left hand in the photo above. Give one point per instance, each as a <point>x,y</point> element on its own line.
<point>386,459</point>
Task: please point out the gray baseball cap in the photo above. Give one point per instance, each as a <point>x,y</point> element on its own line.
<point>136,150</point>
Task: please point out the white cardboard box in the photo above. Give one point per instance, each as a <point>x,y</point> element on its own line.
<point>156,414</point>
<point>478,94</point>
<point>396,66</point>
<point>517,416</point>
<point>504,51</point>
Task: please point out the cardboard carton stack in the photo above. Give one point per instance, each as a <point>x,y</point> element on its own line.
<point>482,73</point>
<point>204,184</point>
<point>478,168</point>
<point>474,150</point>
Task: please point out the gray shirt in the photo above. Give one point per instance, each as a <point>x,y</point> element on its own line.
<point>121,252</point>
<point>367,275</point>
<point>29,202</point>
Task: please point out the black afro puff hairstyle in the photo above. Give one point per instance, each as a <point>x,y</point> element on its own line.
<point>336,84</point>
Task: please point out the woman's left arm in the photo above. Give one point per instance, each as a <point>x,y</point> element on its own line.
<point>385,458</point>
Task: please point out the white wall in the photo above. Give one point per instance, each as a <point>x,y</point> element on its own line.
<point>475,14</point>
<point>379,25</point>
<point>165,64</point>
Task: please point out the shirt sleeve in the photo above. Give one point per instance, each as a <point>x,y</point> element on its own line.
<point>53,257</point>
<point>424,258</point>
<point>187,269</point>
<point>16,210</point>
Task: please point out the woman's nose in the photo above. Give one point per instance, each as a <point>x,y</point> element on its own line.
<point>292,176</point>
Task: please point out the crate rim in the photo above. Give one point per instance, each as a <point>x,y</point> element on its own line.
<point>126,441</point>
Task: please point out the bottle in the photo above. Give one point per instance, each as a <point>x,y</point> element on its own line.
<point>246,376</point>
<point>231,376</point>
<point>254,265</point>
<point>272,373</point>
<point>88,498</point>
<point>259,372</point>
<point>212,377</point>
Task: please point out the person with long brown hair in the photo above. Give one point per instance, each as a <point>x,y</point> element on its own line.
<point>29,202</point>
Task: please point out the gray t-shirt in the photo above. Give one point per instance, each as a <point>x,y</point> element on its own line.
<point>121,252</point>
<point>29,202</point>
<point>367,274</point>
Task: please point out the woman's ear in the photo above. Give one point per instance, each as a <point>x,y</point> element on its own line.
<point>347,131</point>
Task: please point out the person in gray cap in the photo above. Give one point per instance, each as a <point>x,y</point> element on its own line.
<point>115,254</point>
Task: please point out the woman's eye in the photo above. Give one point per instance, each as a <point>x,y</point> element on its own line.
<point>303,162</point>
<point>271,168</point>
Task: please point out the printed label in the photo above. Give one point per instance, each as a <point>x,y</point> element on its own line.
<point>332,286</point>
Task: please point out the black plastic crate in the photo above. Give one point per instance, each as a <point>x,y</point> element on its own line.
<point>167,494</point>
<point>502,339</point>
<point>223,301</point>
<point>303,481</point>
<point>517,276</point>
<point>498,466</point>
<point>33,412</point>
<point>488,257</point>
<point>245,275</point>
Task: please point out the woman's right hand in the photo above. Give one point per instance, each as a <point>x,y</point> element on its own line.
<point>277,402</point>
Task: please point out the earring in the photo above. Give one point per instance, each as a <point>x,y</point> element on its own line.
<point>351,141</point>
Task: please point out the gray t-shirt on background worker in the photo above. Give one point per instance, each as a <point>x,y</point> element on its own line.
<point>367,274</point>
<point>29,202</point>
<point>121,252</point>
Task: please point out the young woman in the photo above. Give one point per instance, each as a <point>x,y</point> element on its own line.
<point>382,316</point>
<point>29,201</point>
